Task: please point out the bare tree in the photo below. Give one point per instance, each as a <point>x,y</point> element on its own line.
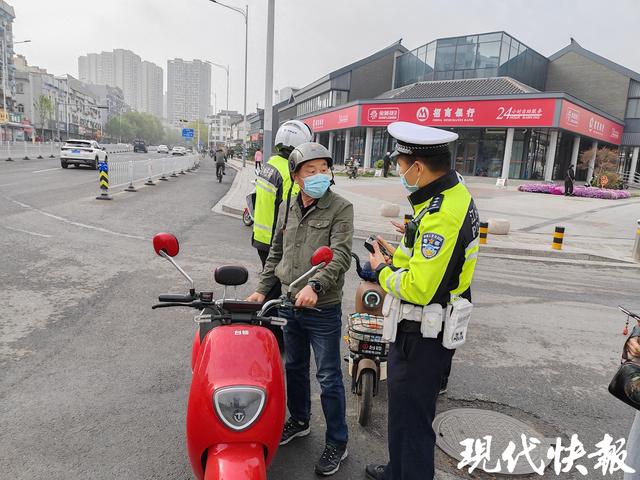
<point>44,108</point>
<point>606,164</point>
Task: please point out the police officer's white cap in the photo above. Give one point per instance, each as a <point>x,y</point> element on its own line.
<point>416,139</point>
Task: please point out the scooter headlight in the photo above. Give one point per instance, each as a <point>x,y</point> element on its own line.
<point>239,407</point>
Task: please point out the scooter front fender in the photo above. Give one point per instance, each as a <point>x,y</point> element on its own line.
<point>236,461</point>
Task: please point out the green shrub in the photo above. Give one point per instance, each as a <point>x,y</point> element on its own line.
<point>379,164</point>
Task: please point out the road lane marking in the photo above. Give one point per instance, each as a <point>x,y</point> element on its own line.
<point>76,224</point>
<point>47,170</point>
<point>28,232</point>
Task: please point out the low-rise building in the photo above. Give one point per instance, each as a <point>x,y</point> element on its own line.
<point>518,114</point>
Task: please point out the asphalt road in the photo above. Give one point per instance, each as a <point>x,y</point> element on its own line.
<point>94,384</point>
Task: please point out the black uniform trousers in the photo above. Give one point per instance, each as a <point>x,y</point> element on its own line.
<point>416,366</point>
<point>274,293</point>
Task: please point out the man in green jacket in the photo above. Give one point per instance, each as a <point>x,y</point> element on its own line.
<point>315,218</point>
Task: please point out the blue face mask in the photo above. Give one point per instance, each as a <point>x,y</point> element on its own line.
<point>403,180</point>
<point>316,185</point>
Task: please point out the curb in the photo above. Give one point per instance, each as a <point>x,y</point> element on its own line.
<point>223,208</point>
<point>510,253</point>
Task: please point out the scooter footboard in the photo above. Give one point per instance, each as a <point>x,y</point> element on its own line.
<point>236,461</point>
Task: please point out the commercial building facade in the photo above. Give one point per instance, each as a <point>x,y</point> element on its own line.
<point>188,90</point>
<point>518,114</point>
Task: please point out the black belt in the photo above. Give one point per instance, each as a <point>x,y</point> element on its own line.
<point>409,326</point>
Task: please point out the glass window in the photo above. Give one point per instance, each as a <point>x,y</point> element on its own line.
<point>459,74</point>
<point>467,40</point>
<point>633,108</point>
<point>447,42</point>
<point>491,37</point>
<point>488,55</point>
<point>465,56</point>
<point>504,51</point>
<point>431,56</point>
<point>401,71</point>
<point>445,58</point>
<point>420,63</point>
<point>515,45</point>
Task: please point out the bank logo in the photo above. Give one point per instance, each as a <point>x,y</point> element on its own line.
<point>423,114</point>
<point>573,116</point>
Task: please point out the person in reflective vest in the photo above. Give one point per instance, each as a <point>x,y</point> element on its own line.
<point>274,185</point>
<point>428,305</point>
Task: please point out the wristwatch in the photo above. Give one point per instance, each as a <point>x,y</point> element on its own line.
<point>316,286</point>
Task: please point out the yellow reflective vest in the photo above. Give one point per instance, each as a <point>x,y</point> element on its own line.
<point>273,186</point>
<point>443,258</point>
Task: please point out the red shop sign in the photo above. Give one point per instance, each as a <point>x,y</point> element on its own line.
<point>344,118</point>
<point>536,112</point>
<point>582,121</point>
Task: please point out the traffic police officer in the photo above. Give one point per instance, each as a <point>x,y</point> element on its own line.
<point>274,185</point>
<point>429,277</point>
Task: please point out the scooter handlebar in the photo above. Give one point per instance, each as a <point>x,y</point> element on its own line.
<point>175,298</point>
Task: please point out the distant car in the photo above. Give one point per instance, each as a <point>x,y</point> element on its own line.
<point>82,152</point>
<point>162,149</point>
<point>178,151</point>
<point>140,146</point>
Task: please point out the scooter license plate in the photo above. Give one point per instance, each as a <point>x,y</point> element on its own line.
<point>372,348</point>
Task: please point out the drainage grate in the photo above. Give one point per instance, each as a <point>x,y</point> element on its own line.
<point>454,426</point>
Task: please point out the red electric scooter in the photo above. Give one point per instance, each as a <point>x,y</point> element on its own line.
<point>236,408</point>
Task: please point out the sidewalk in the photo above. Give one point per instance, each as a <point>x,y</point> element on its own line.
<point>596,230</point>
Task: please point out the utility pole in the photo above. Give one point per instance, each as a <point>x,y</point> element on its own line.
<point>268,86</point>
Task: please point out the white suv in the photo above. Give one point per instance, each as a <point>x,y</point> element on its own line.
<point>82,152</point>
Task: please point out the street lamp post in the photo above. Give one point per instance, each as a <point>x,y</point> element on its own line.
<point>245,14</point>
<point>268,88</point>
<point>226,69</point>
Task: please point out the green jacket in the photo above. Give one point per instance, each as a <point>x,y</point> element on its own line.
<point>330,223</point>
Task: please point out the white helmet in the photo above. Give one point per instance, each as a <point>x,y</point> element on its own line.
<point>291,134</point>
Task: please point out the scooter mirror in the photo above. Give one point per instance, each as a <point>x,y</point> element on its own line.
<point>322,255</point>
<point>167,243</point>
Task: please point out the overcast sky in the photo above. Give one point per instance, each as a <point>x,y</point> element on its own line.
<point>313,37</point>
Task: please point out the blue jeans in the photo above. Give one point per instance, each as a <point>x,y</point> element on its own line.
<point>322,331</point>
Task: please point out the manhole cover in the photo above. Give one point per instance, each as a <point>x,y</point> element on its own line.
<point>454,426</point>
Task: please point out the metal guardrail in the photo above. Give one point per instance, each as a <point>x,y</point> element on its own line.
<point>633,180</point>
<point>137,172</point>
<point>38,150</point>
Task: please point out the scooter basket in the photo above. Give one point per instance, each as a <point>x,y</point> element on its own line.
<point>365,334</point>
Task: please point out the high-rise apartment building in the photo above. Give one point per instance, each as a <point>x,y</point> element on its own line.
<point>141,82</point>
<point>188,90</point>
<point>151,91</point>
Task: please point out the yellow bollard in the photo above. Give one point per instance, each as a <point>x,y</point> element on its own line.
<point>484,232</point>
<point>558,236</point>
<point>636,247</point>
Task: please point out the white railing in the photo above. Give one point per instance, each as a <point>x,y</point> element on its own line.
<point>633,180</point>
<point>137,172</point>
<point>32,151</point>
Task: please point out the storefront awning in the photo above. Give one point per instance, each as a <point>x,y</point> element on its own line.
<point>524,112</point>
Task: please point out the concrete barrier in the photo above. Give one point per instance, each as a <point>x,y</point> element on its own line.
<point>390,210</point>
<point>499,226</point>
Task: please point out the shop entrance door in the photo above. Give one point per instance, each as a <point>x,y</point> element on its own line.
<point>466,155</point>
